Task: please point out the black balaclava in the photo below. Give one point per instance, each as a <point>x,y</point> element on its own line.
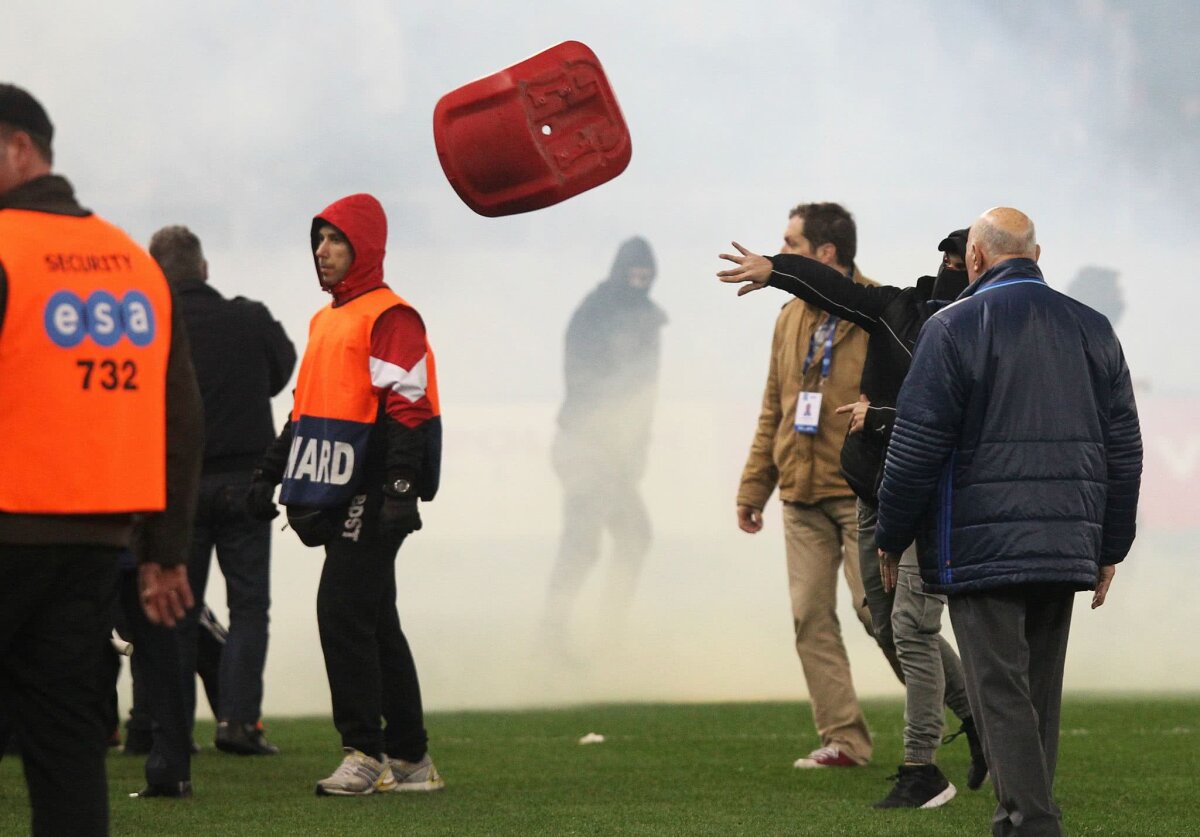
<point>634,252</point>
<point>950,282</point>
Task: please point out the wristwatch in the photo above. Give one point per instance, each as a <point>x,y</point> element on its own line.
<point>400,488</point>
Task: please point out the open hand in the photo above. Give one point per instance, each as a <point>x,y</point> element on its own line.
<point>752,269</point>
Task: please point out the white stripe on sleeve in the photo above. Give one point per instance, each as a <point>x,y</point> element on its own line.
<point>410,383</point>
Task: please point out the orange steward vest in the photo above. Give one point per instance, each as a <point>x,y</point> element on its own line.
<point>336,405</point>
<point>83,367</point>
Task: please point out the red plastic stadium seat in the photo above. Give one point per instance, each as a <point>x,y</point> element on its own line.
<point>532,135</point>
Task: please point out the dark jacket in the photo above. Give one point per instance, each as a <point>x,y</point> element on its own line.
<point>610,366</point>
<point>1016,454</point>
<point>164,537</point>
<point>892,317</point>
<point>243,358</point>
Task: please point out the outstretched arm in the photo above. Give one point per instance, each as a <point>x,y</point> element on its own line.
<point>811,281</point>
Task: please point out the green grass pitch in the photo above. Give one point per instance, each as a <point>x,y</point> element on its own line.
<point>1128,766</point>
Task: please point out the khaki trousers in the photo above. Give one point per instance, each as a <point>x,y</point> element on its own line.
<point>819,538</point>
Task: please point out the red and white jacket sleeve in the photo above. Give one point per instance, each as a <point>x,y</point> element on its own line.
<point>399,376</point>
<point>398,366</point>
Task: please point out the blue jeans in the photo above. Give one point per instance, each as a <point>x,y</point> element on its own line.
<point>243,547</point>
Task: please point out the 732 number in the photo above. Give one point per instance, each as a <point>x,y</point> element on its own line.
<point>108,374</point>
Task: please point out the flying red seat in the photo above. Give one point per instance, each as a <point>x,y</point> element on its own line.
<point>532,135</point>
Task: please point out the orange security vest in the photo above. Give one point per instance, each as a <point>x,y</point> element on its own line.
<point>336,405</point>
<point>83,366</point>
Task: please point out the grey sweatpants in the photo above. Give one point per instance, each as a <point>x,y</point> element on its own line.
<point>908,627</point>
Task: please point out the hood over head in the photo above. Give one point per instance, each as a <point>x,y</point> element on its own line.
<point>362,220</point>
<point>634,252</point>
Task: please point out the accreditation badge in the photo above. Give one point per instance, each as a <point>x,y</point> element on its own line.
<point>808,410</point>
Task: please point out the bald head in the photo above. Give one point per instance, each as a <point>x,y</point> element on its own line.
<point>998,235</point>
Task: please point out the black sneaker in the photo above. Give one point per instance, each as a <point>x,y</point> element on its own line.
<point>243,739</point>
<point>918,786</point>
<point>978,771</point>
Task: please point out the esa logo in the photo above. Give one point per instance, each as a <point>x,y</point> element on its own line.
<point>106,319</point>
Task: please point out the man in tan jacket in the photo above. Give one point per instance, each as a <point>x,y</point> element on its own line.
<point>816,366</point>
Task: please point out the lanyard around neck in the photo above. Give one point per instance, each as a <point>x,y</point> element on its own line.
<point>827,355</point>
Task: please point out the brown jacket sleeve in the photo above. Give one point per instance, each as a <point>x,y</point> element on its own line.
<point>761,475</point>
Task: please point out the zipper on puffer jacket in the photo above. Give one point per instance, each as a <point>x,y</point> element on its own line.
<point>945,573</point>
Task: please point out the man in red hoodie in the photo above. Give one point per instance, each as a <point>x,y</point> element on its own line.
<point>362,446</point>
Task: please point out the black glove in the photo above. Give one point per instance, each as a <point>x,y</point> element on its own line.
<point>314,527</point>
<point>260,498</point>
<point>398,516</point>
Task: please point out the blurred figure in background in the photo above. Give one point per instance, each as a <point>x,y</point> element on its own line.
<point>611,367</point>
<point>1098,288</point>
<point>243,358</point>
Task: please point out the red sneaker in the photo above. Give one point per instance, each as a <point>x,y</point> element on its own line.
<point>826,757</point>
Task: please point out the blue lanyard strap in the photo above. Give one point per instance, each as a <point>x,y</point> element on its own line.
<point>827,359</point>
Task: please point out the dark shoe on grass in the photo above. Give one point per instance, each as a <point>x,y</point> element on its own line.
<point>918,786</point>
<point>243,739</point>
<point>166,790</point>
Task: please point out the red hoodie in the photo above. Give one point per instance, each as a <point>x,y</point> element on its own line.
<point>399,348</point>
<point>366,348</point>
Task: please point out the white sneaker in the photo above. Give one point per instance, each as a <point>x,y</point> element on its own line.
<point>357,775</point>
<point>413,776</point>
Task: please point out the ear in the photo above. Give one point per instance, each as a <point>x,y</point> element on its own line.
<point>827,253</point>
<point>1037,252</point>
<point>975,257</point>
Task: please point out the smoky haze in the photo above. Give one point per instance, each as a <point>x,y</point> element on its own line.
<point>244,119</point>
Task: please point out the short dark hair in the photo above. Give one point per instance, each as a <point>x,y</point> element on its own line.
<point>20,111</point>
<point>40,142</point>
<point>829,223</point>
<point>177,251</point>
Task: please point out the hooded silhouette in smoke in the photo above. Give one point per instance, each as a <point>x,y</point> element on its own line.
<point>1098,288</point>
<point>611,367</point>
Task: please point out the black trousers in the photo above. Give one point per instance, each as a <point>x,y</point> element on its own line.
<point>1014,646</point>
<point>372,677</point>
<point>55,613</point>
<point>159,678</point>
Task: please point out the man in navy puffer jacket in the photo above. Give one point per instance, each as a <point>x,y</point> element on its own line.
<point>1016,460</point>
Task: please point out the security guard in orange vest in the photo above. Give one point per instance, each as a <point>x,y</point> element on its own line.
<point>100,431</point>
<point>362,447</point>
